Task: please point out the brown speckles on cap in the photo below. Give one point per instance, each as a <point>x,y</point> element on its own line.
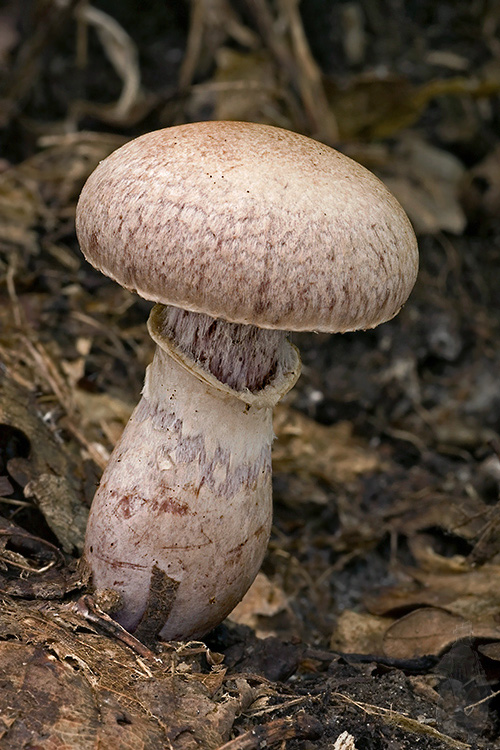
<point>252,224</point>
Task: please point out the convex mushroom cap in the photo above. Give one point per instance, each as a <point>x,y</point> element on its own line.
<point>252,224</point>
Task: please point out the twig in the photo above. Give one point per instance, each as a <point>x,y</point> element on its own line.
<point>312,92</point>
<point>122,54</point>
<point>468,709</point>
<point>86,607</point>
<point>297,64</point>
<point>404,722</point>
<point>15,560</point>
<point>302,726</point>
<point>212,21</point>
<point>27,65</point>
<point>12,530</point>
<point>282,706</point>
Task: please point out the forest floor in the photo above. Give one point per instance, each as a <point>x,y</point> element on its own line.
<point>375,622</point>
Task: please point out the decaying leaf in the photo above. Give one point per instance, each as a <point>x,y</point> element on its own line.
<point>431,630</point>
<point>31,567</point>
<point>379,105</point>
<point>21,208</point>
<point>103,409</point>
<point>371,101</point>
<point>332,454</point>
<point>472,593</point>
<point>43,469</point>
<point>463,686</point>
<point>491,650</point>
<point>359,633</point>
<point>481,188</point>
<point>37,190</point>
<point>427,182</point>
<point>245,87</point>
<point>262,601</point>
<point>64,684</point>
<point>344,741</point>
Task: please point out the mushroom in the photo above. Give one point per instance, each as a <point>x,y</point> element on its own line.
<point>240,233</point>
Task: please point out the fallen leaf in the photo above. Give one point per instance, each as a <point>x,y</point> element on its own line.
<point>42,466</point>
<point>66,686</point>
<point>472,594</point>
<point>481,189</point>
<point>102,408</point>
<point>330,453</point>
<point>431,630</point>
<point>358,633</point>
<point>344,741</point>
<point>427,182</point>
<point>491,650</point>
<point>244,86</point>
<point>379,105</point>
<point>263,600</point>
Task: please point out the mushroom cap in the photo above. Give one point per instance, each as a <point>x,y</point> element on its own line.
<point>252,224</point>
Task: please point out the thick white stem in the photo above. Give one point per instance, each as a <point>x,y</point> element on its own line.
<point>181,519</point>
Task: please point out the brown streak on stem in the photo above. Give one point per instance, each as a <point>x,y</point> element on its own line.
<point>162,594</point>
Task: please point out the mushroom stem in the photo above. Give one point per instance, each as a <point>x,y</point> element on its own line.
<point>241,356</point>
<point>181,519</point>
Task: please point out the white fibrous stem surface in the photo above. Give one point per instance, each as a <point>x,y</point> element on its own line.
<point>180,522</point>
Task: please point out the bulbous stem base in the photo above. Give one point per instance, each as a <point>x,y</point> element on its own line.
<point>180,522</point>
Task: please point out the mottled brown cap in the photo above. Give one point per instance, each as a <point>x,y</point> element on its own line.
<point>249,223</point>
